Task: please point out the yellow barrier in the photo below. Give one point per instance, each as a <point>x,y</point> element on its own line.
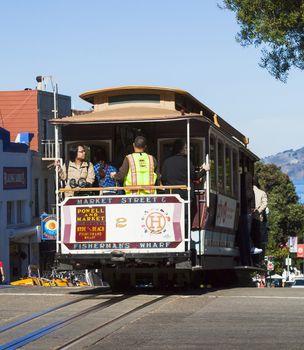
<point>44,282</point>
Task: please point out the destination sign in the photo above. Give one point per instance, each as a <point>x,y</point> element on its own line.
<point>129,223</point>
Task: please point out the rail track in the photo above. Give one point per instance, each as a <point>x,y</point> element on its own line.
<point>37,328</point>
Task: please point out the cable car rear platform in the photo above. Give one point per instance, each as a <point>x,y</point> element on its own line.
<point>123,258</point>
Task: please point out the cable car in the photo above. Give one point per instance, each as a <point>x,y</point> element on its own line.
<point>136,235</point>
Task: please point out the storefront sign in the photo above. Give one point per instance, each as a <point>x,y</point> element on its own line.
<point>137,223</point>
<point>49,227</point>
<point>14,178</point>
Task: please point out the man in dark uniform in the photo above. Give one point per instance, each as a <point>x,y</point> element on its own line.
<point>174,171</point>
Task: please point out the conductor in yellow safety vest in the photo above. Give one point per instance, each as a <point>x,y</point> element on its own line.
<point>138,169</point>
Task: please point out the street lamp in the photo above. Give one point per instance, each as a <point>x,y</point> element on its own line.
<point>42,80</point>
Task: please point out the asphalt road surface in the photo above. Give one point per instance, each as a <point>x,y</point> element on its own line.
<point>238,318</point>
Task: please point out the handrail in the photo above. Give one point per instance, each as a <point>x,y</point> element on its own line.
<point>128,188</point>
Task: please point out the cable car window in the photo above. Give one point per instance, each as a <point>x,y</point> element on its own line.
<point>220,166</point>
<point>134,98</point>
<point>235,174</point>
<point>91,147</point>
<point>228,169</point>
<point>197,149</point>
<point>212,163</point>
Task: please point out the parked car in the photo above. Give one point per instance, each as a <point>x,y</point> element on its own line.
<point>298,283</point>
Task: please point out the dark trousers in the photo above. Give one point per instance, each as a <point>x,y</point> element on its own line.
<point>256,233</point>
<point>243,240</point>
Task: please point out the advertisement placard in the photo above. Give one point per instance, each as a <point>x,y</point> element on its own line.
<point>225,211</point>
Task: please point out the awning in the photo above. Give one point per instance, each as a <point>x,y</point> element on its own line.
<point>23,232</point>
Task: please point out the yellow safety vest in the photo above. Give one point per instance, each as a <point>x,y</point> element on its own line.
<point>141,172</point>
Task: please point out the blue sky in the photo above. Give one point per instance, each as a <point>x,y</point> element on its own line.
<point>188,44</point>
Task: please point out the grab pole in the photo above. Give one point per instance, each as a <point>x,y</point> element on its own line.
<point>188,184</point>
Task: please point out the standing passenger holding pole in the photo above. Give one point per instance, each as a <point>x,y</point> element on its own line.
<point>258,224</point>
<point>138,169</point>
<point>76,170</point>
<point>258,214</point>
<point>174,171</point>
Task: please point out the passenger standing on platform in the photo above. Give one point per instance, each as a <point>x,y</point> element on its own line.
<point>2,276</point>
<point>103,172</point>
<point>77,170</point>
<point>174,171</point>
<point>258,215</point>
<point>245,235</point>
<point>138,169</point>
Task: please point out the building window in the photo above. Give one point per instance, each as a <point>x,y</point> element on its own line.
<point>10,213</point>
<point>46,196</point>
<point>36,196</point>
<point>20,212</point>
<point>44,129</point>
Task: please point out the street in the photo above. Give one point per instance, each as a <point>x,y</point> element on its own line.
<point>236,318</point>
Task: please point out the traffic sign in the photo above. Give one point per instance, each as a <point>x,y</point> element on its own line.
<point>270,266</point>
<point>288,261</point>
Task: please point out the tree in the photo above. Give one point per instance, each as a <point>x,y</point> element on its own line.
<point>275,25</point>
<point>286,218</point>
<point>286,215</point>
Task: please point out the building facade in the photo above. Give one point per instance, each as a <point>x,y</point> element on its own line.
<point>18,234</point>
<point>29,111</point>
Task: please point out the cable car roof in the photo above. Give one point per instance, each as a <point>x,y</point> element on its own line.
<point>90,95</point>
<point>123,115</point>
<point>172,104</point>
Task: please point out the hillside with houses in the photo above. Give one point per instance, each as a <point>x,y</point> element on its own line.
<point>291,162</point>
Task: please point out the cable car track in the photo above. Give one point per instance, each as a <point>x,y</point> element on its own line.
<point>85,335</point>
<point>39,314</point>
<point>23,340</point>
<point>45,330</point>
